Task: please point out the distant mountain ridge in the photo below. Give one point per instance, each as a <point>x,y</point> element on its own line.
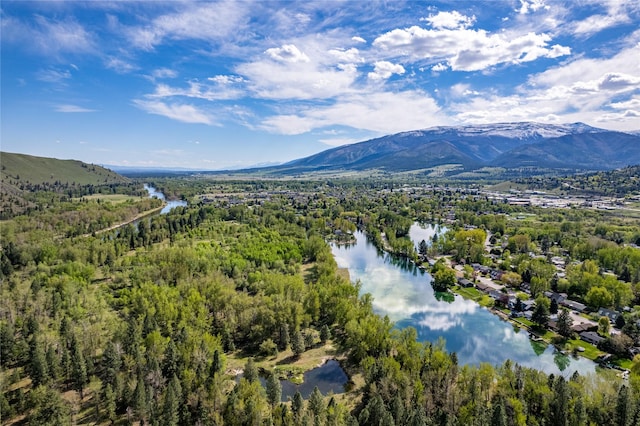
<point>507,145</point>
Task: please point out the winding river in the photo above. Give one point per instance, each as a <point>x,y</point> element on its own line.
<point>403,292</point>
<point>153,192</point>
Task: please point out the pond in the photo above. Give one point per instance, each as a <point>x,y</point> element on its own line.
<point>329,378</point>
<point>403,292</point>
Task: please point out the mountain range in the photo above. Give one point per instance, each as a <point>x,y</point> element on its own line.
<point>503,145</point>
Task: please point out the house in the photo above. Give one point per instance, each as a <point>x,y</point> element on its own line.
<point>499,297</point>
<point>483,287</point>
<point>612,315</point>
<point>528,304</point>
<point>584,326</point>
<point>558,297</point>
<point>465,282</point>
<point>574,306</point>
<point>591,337</point>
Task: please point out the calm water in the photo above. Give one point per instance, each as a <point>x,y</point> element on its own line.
<point>329,378</point>
<point>404,293</point>
<point>153,192</point>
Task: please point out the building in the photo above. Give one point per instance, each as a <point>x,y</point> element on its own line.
<point>591,337</point>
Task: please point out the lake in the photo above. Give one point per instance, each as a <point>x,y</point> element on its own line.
<point>403,292</point>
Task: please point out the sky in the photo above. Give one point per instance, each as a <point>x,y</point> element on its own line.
<point>228,84</point>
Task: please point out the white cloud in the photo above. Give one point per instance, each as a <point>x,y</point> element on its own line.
<point>200,21</point>
<point>218,88</point>
<point>48,37</point>
<point>287,53</point>
<point>617,14</point>
<point>358,39</point>
<point>379,112</point>
<point>440,67</point>
<point>53,76</point>
<point>72,108</point>
<point>468,50</point>
<point>350,56</point>
<point>180,112</point>
<point>120,66</point>
<point>450,20</point>
<point>294,75</point>
<point>527,6</point>
<point>164,73</point>
<point>383,70</point>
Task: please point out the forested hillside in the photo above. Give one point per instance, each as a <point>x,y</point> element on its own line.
<point>150,323</point>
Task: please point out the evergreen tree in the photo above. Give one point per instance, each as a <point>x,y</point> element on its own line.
<point>274,389</point>
<point>624,408</point>
<point>565,323</point>
<point>325,333</point>
<point>316,405</point>
<point>172,399</point>
<point>298,344</point>
<point>540,314</point>
<point>110,403</point>
<point>38,369</point>
<point>250,371</point>
<point>283,341</point>
<point>78,367</point>
<point>53,364</point>
<point>297,406</point>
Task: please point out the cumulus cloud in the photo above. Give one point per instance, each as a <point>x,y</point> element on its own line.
<point>527,6</point>
<point>466,49</point>
<point>383,70</point>
<point>450,20</point>
<point>180,112</point>
<point>379,112</point>
<point>287,53</point>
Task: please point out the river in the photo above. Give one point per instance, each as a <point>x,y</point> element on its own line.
<point>153,192</point>
<point>404,293</point>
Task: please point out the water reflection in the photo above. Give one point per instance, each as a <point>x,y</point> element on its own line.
<point>404,293</point>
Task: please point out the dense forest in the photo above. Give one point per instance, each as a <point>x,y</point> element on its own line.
<point>150,322</point>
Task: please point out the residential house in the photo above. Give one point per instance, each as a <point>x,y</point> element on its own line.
<point>591,337</point>
<point>463,282</point>
<point>574,306</point>
<point>612,315</point>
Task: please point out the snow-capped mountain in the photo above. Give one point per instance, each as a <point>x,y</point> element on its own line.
<point>507,145</point>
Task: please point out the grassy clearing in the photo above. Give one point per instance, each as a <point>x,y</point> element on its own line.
<point>590,351</point>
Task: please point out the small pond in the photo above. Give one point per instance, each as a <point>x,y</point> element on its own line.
<point>329,378</point>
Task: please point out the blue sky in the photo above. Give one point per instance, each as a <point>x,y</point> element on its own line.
<point>210,85</point>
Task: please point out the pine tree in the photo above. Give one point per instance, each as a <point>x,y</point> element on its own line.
<point>250,371</point>
<point>110,403</point>
<point>325,333</point>
<point>297,344</point>
<point>316,405</point>
<point>172,400</point>
<point>274,389</point>
<point>297,406</point>
<point>38,369</point>
<point>78,367</point>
